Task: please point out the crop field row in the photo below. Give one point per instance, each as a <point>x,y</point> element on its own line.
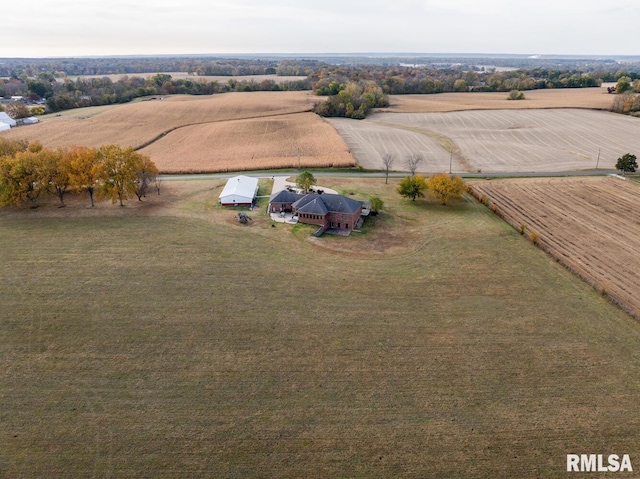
<point>136,124</point>
<point>254,144</point>
<point>589,224</point>
<point>231,131</point>
<point>496,140</point>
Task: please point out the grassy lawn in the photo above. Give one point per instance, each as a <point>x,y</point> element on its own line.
<point>178,343</point>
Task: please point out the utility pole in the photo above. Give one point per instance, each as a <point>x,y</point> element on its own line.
<point>450,160</point>
<point>298,157</point>
<point>598,160</point>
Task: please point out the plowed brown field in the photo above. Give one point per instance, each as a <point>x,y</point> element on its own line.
<point>255,144</point>
<point>589,224</point>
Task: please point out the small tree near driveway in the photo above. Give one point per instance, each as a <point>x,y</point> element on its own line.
<point>305,181</point>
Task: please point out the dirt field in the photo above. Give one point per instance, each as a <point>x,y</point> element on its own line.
<point>495,141</point>
<point>163,339</point>
<point>255,144</point>
<point>591,98</point>
<point>589,224</point>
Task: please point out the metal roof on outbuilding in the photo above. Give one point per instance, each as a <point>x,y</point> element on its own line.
<point>240,186</point>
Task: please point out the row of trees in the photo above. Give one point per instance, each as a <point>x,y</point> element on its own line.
<point>441,186</point>
<point>61,67</point>
<point>28,170</point>
<point>408,80</point>
<point>103,91</point>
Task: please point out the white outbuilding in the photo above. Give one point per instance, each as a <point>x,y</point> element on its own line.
<point>32,120</point>
<point>4,118</point>
<point>239,191</point>
<point>4,126</point>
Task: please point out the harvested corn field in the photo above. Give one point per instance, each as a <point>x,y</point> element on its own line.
<point>495,140</point>
<point>589,224</point>
<point>254,144</point>
<point>594,98</point>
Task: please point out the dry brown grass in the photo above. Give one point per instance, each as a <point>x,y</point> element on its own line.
<point>596,98</point>
<point>253,144</point>
<point>136,124</point>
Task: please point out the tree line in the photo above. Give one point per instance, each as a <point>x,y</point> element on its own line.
<point>62,67</point>
<point>111,172</point>
<point>84,92</point>
<point>408,80</point>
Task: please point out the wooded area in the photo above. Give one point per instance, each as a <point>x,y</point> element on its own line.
<point>48,79</point>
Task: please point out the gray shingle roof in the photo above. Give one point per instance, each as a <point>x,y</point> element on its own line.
<point>312,204</point>
<point>284,196</point>
<point>329,202</point>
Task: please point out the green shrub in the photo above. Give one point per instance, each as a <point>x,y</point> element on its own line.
<point>515,95</point>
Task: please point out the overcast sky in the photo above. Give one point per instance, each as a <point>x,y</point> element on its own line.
<point>125,27</point>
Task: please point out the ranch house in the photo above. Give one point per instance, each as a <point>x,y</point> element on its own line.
<point>328,211</point>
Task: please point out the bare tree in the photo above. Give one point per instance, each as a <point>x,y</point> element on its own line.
<point>387,160</point>
<point>412,162</point>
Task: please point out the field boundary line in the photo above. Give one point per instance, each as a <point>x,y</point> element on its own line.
<point>171,130</point>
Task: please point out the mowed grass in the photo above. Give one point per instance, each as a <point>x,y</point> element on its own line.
<point>182,344</point>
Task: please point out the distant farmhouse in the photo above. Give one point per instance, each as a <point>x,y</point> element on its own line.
<point>328,211</point>
<point>239,191</point>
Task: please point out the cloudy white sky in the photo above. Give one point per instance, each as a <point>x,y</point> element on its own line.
<point>125,27</point>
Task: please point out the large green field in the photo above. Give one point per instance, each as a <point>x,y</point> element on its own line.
<point>174,342</point>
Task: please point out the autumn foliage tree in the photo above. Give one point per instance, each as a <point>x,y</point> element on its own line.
<point>23,178</point>
<point>56,165</point>
<point>146,175</point>
<point>413,187</point>
<point>85,169</point>
<point>445,188</point>
<point>28,169</point>
<point>118,172</point>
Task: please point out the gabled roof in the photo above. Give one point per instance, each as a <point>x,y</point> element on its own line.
<point>240,185</point>
<point>285,196</point>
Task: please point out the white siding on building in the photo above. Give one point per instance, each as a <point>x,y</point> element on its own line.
<point>239,190</point>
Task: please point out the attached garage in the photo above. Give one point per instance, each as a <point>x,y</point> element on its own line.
<point>239,191</point>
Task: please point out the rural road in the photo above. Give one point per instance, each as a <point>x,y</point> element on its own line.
<point>356,174</point>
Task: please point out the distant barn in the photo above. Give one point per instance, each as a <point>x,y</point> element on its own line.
<point>4,118</point>
<point>239,191</point>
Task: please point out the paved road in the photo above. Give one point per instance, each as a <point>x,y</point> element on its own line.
<point>358,174</point>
